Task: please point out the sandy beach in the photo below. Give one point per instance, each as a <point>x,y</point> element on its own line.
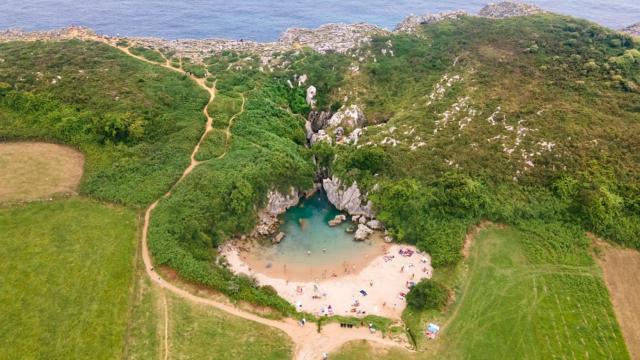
<point>383,280</point>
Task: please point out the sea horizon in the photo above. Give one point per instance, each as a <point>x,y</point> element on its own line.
<point>262,21</point>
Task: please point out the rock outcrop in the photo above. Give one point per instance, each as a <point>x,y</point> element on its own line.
<point>412,23</point>
<point>277,204</point>
<point>320,136</point>
<point>278,238</point>
<point>337,220</point>
<point>348,116</point>
<point>507,9</point>
<point>338,38</point>
<point>633,30</point>
<point>354,137</point>
<point>311,96</point>
<point>347,199</point>
<point>375,224</point>
<point>319,120</point>
<point>362,233</point>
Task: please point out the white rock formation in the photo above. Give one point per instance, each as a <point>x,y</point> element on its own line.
<point>412,23</point>
<point>311,94</point>
<point>349,116</point>
<point>354,137</point>
<point>506,9</point>
<point>337,220</point>
<point>375,224</point>
<point>362,233</point>
<point>321,135</point>
<point>277,204</point>
<point>278,238</point>
<point>348,199</point>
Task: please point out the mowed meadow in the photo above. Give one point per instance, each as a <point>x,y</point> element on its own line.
<point>66,277</point>
<point>527,298</point>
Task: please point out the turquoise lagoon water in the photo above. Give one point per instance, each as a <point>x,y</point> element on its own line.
<point>311,247</point>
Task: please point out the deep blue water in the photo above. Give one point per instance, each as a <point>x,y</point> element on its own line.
<point>261,20</point>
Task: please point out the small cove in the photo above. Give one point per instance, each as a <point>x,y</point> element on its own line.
<point>311,248</point>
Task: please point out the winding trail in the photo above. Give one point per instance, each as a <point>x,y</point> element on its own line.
<point>229,126</point>
<point>308,343</point>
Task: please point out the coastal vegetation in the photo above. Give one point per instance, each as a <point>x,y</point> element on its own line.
<point>427,294</point>
<point>136,123</point>
<point>528,122</point>
<point>507,120</point>
<point>219,199</point>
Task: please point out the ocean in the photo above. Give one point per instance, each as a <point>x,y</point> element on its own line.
<point>262,20</point>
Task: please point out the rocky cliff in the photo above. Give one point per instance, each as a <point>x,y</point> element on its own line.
<point>348,199</point>
<point>277,204</point>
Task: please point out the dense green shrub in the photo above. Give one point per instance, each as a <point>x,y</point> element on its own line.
<point>220,198</point>
<point>427,294</point>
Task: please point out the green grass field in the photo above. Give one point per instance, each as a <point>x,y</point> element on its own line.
<point>524,306</point>
<point>66,276</point>
<point>198,332</point>
<point>525,298</point>
<point>362,350</point>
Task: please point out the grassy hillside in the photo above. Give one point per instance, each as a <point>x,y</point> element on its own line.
<point>221,197</point>
<point>514,119</point>
<point>66,278</point>
<point>136,123</point>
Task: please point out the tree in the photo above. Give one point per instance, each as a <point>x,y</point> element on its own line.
<point>427,294</point>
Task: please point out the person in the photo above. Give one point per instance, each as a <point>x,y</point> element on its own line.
<point>325,356</point>
<point>371,283</point>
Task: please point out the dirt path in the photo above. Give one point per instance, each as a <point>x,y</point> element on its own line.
<point>229,126</point>
<point>621,269</point>
<point>308,343</point>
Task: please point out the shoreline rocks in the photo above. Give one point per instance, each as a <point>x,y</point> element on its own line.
<point>633,30</point>
<point>413,22</point>
<point>278,238</point>
<point>362,233</point>
<point>337,220</point>
<point>334,37</point>
<point>505,9</point>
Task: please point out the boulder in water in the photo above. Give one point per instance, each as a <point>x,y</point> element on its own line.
<point>278,238</point>
<point>363,232</point>
<point>339,219</point>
